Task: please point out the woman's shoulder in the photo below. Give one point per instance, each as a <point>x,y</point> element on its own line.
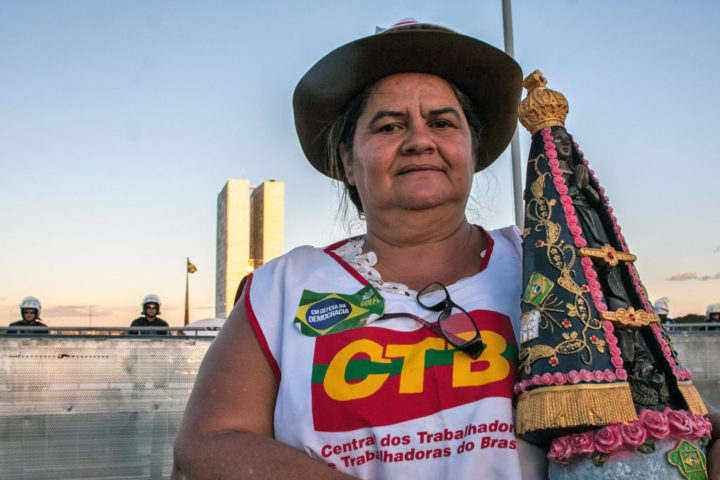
<point>300,257</point>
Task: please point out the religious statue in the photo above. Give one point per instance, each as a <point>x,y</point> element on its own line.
<point>599,382</point>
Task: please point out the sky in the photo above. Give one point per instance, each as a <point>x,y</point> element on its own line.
<point>120,121</point>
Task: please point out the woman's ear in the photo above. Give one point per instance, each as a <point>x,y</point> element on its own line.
<point>346,158</point>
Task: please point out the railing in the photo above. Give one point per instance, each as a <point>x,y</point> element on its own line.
<point>131,332</point>
<point>702,327</point>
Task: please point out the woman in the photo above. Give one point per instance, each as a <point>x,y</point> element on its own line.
<point>332,357</point>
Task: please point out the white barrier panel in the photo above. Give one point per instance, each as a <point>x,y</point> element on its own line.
<point>93,407</point>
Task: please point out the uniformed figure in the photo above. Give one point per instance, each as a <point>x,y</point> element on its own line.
<point>662,308</point>
<point>712,315</point>
<point>150,311</point>
<point>30,311</point>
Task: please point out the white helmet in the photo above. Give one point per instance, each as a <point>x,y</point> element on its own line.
<point>662,306</point>
<point>151,298</point>
<point>712,308</point>
<point>30,302</point>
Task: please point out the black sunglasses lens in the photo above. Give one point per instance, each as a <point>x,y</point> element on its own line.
<point>432,296</point>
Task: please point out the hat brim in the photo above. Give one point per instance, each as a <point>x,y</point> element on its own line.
<point>488,76</point>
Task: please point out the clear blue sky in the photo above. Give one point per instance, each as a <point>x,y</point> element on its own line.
<point>121,121</point>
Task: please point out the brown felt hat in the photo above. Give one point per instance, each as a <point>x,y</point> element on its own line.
<point>488,76</point>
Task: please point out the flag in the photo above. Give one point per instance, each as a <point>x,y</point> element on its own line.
<point>190,267</point>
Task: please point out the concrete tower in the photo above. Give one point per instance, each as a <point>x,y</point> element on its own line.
<point>233,233</point>
<point>250,231</point>
<point>267,222</point>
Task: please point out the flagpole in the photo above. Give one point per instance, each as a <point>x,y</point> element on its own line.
<point>187,296</point>
<point>515,143</point>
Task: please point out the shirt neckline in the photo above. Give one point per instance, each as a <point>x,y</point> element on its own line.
<point>330,250</point>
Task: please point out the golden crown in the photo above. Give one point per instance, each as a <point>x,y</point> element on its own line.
<point>541,107</point>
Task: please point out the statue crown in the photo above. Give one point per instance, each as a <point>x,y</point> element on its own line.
<point>542,107</point>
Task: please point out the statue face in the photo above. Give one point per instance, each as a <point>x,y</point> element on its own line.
<point>563,146</point>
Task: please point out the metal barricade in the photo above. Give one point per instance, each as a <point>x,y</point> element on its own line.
<point>93,407</point>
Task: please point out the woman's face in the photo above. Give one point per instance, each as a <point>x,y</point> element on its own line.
<point>412,148</point>
<point>562,143</point>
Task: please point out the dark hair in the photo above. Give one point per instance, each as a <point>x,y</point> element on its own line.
<point>341,133</point>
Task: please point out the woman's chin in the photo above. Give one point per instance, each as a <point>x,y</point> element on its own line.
<point>426,201</point>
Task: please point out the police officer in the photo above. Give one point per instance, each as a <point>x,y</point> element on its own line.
<point>30,311</point>
<point>150,310</point>
<point>712,315</point>
<point>662,308</point>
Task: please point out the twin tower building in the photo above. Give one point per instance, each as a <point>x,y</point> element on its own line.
<point>250,231</point>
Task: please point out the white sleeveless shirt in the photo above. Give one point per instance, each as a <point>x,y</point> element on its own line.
<point>391,399</point>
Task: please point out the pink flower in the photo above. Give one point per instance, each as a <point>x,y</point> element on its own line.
<point>586,375</point>
<point>633,434</point>
<point>554,165</point>
<point>583,443</point>
<point>560,378</point>
<point>571,218</point>
<point>558,181</point>
<point>575,230</point>
<point>614,350</point>
<point>574,376</point>
<point>609,375</point>
<point>611,339</point>
<point>600,306</point>
<point>621,373</point>
<point>596,294</point>
<point>562,189</point>
<point>591,274</point>
<point>565,200</point>
<point>608,327</point>
<point>608,439</point>
<point>592,172</point>
<point>655,423</point>
<point>680,423</point>
<point>579,242</point>
<point>609,209</point>
<point>598,376</point>
<point>560,450</point>
<point>586,262</point>
<point>617,362</point>
<point>547,378</point>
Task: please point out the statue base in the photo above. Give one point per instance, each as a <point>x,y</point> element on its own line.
<point>635,465</point>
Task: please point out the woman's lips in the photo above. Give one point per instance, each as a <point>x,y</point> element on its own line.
<point>419,168</point>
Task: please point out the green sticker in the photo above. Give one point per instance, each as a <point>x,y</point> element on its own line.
<point>538,289</point>
<point>690,460</point>
<point>325,313</point>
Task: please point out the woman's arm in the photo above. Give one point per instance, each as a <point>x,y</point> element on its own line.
<point>227,429</point>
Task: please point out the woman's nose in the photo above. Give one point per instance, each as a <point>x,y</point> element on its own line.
<point>418,140</point>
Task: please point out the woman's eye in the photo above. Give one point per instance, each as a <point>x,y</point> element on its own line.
<point>389,128</point>
<point>441,124</point>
